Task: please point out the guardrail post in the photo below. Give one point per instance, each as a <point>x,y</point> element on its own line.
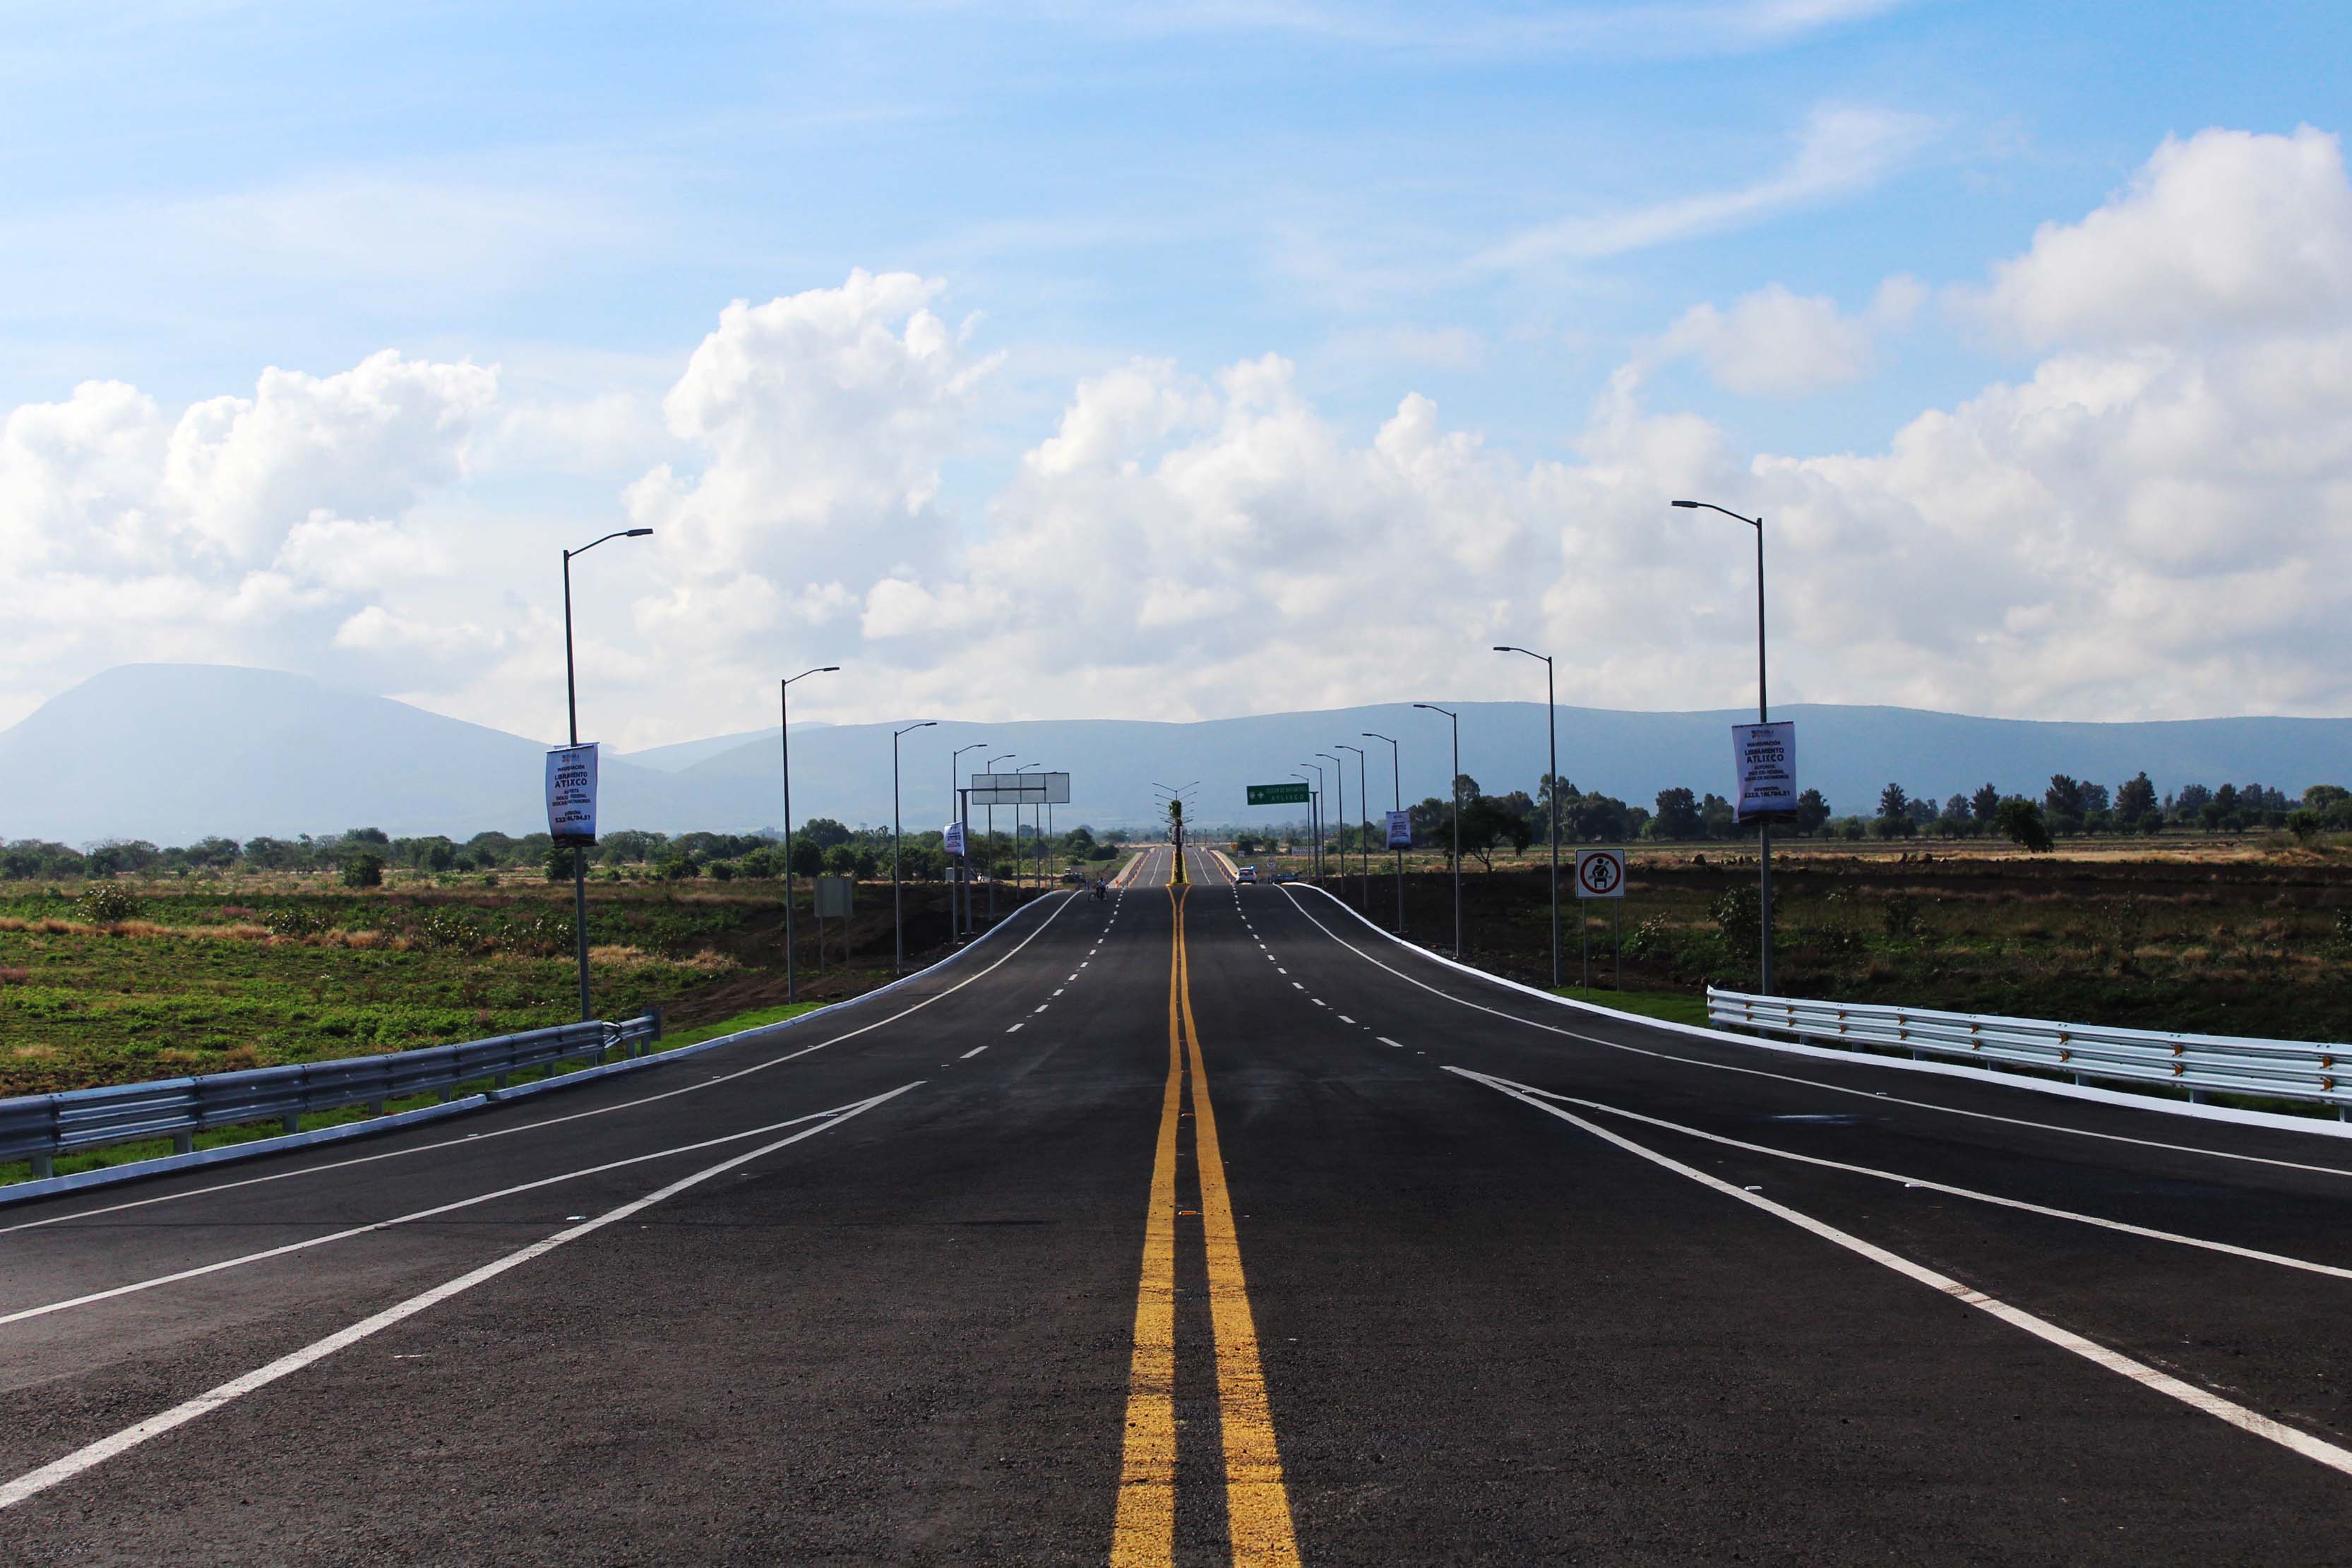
<point>293,1124</point>
<point>44,1168</point>
<point>184,1143</point>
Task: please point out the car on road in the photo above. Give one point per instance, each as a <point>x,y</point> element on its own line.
<point>1245,874</point>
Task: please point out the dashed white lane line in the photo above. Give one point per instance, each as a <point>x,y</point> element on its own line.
<point>1318,1002</point>
<point>1297,987</point>
<point>2238,1415</point>
<point>1382,1038</point>
<point>1059,989</point>
<point>1039,1007</point>
<point>1280,970</point>
<point>968,1055</point>
<point>1016,1029</point>
<point>1343,1017</point>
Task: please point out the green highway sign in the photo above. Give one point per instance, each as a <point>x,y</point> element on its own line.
<point>1277,794</point>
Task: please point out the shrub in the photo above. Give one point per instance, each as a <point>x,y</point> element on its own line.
<point>1738,915</point>
<point>559,865</point>
<point>103,904</point>
<point>723,871</point>
<point>363,870</point>
<point>1902,916</point>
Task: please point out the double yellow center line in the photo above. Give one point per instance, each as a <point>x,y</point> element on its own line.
<point>1257,1506</point>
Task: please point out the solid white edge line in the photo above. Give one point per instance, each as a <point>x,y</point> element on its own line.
<point>696,1048</point>
<point>2236,1415</point>
<point>34,1482</point>
<point>2125,1227</point>
<point>1964,1075</point>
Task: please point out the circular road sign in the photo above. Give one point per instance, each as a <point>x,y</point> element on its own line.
<point>1600,874</point>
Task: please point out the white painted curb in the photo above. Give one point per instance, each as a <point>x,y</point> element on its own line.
<point>2123,1098</point>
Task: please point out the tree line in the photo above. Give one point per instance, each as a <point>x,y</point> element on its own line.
<point>2069,807</point>
<point>359,856</point>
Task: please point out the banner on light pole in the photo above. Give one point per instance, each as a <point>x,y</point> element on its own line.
<point>953,836</point>
<point>1765,757</point>
<point>1399,829</point>
<point>572,796</point>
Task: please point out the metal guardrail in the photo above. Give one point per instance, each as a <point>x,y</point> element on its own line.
<point>39,1127</point>
<point>2199,1063</point>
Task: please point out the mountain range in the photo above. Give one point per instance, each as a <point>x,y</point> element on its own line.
<point>173,752</point>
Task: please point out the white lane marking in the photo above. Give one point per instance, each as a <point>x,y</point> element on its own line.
<point>1039,1009</point>
<point>1059,989</point>
<point>552,1120</point>
<point>1923,1183</point>
<point>279,1252</point>
<point>1318,1002</point>
<point>1016,1029</point>
<point>1280,970</point>
<point>968,1055</point>
<point>2236,1415</point>
<point>1343,1017</point>
<point>1082,964</point>
<point>1386,1041</point>
<point>1297,987</point>
<point>1072,974</point>
<point>1815,1083</point>
<point>34,1482</point>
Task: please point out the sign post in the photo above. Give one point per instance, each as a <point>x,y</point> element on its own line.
<point>1599,873</point>
<point>1765,757</point>
<point>571,824</point>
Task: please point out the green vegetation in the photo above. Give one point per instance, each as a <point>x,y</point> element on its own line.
<point>223,1137</point>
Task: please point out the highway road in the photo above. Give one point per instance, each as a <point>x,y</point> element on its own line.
<point>1202,1225</point>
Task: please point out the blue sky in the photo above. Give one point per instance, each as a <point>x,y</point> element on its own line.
<point>1499,209</point>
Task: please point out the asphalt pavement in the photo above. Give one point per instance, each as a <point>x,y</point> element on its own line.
<point>1200,1225</point>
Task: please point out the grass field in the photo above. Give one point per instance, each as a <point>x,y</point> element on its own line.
<point>209,977</point>
<point>2228,937</point>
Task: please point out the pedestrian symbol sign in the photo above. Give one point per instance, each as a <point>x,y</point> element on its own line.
<point>1600,874</point>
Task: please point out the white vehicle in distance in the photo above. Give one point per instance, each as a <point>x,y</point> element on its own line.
<point>1245,874</point>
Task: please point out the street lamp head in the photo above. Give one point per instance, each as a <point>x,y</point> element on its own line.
<point>1499,648</point>
<point>637,533</point>
<point>1687,504</point>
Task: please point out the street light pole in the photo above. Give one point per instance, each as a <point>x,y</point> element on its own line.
<point>1551,724</point>
<point>1396,803</point>
<point>1763,715</point>
<point>784,731</point>
<point>1020,861</point>
<point>1314,826</point>
<point>1340,782</point>
<point>1458,819</point>
<point>898,927</point>
<point>955,815</point>
<point>1363,831</point>
<point>572,711</point>
<point>1319,791</point>
<point>991,765</point>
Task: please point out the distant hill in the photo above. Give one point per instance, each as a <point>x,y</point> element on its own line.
<point>172,752</point>
<point>685,754</point>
